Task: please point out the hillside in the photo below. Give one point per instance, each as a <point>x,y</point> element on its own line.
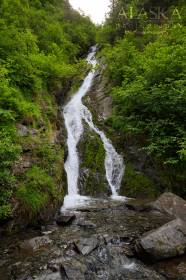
<point>42,46</point>
<point>143,45</point>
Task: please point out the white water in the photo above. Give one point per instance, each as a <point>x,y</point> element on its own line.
<point>74,112</point>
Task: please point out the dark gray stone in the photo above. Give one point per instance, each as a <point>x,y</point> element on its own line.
<point>36,243</point>
<point>171,204</point>
<point>49,276</point>
<point>86,245</point>
<point>73,270</point>
<point>164,242</point>
<point>65,219</point>
<point>137,205</point>
<point>86,224</point>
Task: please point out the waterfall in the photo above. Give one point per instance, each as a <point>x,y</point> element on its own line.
<point>74,113</point>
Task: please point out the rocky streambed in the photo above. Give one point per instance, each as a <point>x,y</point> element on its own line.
<point>102,240</point>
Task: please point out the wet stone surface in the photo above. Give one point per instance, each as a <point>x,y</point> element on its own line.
<point>98,244</point>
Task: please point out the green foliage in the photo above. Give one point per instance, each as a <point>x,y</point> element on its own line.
<point>50,158</point>
<point>9,153</point>
<point>93,153</point>
<point>31,199</point>
<point>138,185</point>
<point>37,190</point>
<point>150,97</point>
<point>92,156</point>
<point>5,211</point>
<point>149,92</point>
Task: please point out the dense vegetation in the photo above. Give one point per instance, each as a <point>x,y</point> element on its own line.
<point>42,43</point>
<point>146,64</point>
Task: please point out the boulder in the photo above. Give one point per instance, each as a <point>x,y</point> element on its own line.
<point>73,270</point>
<point>137,205</point>
<point>36,243</point>
<point>65,219</point>
<point>86,245</point>
<point>171,204</point>
<point>165,242</point>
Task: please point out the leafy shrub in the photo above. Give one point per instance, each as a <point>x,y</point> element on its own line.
<point>147,72</point>
<point>38,189</point>
<point>5,211</point>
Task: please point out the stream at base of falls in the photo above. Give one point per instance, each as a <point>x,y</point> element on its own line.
<point>96,245</point>
<point>74,113</point>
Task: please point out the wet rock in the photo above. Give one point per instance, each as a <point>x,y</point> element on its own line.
<point>20,270</point>
<point>164,242</point>
<point>98,97</point>
<point>170,204</point>
<point>138,205</point>
<point>136,271</point>
<point>36,243</point>
<point>54,267</point>
<point>109,263</point>
<point>48,229</point>
<point>86,224</point>
<point>172,268</point>
<point>73,270</point>
<point>65,219</point>
<point>116,239</point>
<point>128,251</point>
<point>49,276</point>
<point>86,245</point>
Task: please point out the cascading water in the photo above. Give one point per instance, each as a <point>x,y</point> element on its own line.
<point>74,112</point>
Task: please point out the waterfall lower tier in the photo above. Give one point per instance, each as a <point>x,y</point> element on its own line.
<point>74,113</point>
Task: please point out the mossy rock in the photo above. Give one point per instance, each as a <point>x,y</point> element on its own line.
<point>92,180</point>
<point>137,185</point>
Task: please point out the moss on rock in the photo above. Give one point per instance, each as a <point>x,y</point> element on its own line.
<point>92,168</point>
<point>137,184</point>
